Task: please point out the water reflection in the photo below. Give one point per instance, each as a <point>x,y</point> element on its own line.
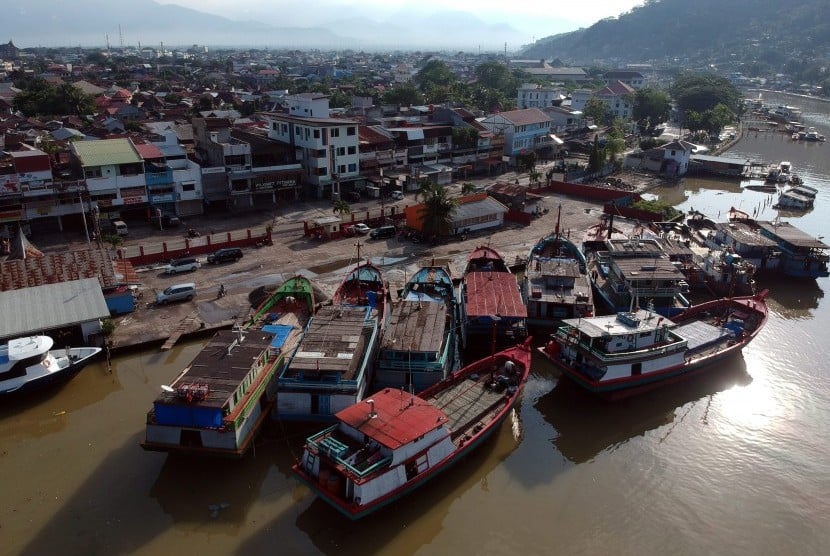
<point>587,426</point>
<point>194,490</point>
<point>792,298</point>
<point>415,520</point>
<point>45,411</point>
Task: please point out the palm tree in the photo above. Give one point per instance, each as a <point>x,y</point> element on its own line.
<point>438,209</point>
<point>341,208</point>
<point>468,188</point>
<point>534,175</point>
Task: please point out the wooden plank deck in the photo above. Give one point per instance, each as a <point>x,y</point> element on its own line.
<point>466,403</point>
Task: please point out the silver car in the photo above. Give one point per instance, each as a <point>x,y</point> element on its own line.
<point>177,292</point>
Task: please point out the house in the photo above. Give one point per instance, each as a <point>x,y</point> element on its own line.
<point>531,95</point>
<point>524,131</point>
<point>618,97</point>
<point>564,119</point>
<point>474,213</point>
<point>540,68</point>
<point>671,159</point>
<point>326,148</point>
<point>114,173</point>
<point>633,79</point>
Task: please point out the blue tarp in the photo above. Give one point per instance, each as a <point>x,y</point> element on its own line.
<point>188,416</point>
<point>371,297</point>
<point>280,332</point>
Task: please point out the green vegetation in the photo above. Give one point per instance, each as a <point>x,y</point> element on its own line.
<point>39,98</point>
<point>438,210</point>
<point>651,107</point>
<point>107,327</point>
<point>657,207</point>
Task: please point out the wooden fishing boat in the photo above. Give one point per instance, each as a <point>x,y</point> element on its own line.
<point>218,402</point>
<point>490,303</point>
<point>631,352</point>
<point>389,445</point>
<point>420,345</point>
<point>333,366</point>
<point>556,284</point>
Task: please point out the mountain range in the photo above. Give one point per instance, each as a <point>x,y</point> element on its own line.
<point>58,23</point>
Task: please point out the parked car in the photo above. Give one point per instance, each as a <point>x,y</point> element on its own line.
<point>362,228</point>
<point>186,264</point>
<point>178,292</point>
<point>382,232</point>
<point>224,255</point>
<point>397,195</point>
<point>353,196</point>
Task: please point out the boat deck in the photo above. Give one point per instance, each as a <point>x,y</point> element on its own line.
<point>417,326</point>
<point>467,402</point>
<point>219,368</point>
<point>334,344</point>
<point>787,233</point>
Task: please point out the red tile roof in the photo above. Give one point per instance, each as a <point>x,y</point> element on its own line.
<point>399,417</point>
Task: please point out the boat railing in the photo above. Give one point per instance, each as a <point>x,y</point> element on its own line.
<point>668,348</point>
<point>664,291</point>
<point>324,442</point>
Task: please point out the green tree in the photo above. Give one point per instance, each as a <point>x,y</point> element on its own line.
<point>651,107</point>
<point>433,74</point>
<point>495,75</point>
<point>403,95</point>
<point>717,118</point>
<point>694,121</point>
<point>702,91</point>
<point>341,208</point>
<point>596,110</point>
<point>597,157</point>
<point>615,139</point>
<point>438,210</point>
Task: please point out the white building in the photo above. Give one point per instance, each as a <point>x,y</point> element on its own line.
<point>327,148</point>
<point>531,95</point>
<point>524,131</point>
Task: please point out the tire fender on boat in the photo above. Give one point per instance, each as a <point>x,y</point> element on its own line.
<point>46,363</point>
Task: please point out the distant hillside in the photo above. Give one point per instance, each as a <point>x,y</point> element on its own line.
<point>88,23</point>
<point>768,30</point>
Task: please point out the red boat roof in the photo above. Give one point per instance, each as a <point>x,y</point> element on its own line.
<point>399,417</point>
<point>494,293</point>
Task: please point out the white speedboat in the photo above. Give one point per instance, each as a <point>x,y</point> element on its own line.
<point>30,362</point>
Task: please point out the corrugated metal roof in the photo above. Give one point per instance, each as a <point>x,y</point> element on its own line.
<point>51,306</point>
<point>494,293</point>
<point>108,151</point>
<point>399,418</point>
<point>477,208</point>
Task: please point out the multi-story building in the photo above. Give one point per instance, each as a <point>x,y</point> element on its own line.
<point>633,79</point>
<point>524,131</point>
<point>326,148</point>
<point>114,174</point>
<point>531,95</point>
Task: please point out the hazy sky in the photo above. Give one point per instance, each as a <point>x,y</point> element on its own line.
<point>534,17</point>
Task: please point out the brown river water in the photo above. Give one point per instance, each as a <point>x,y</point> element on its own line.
<point>737,462</point>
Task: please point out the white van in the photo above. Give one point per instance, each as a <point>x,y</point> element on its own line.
<point>120,227</point>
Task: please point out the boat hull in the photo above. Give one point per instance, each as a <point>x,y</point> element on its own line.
<point>621,389</point>
<point>693,364</point>
<point>358,512</point>
<point>466,443</point>
<point>54,378</point>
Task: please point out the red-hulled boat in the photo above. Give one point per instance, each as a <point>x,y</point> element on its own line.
<point>619,355</point>
<point>384,447</point>
<point>491,304</point>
